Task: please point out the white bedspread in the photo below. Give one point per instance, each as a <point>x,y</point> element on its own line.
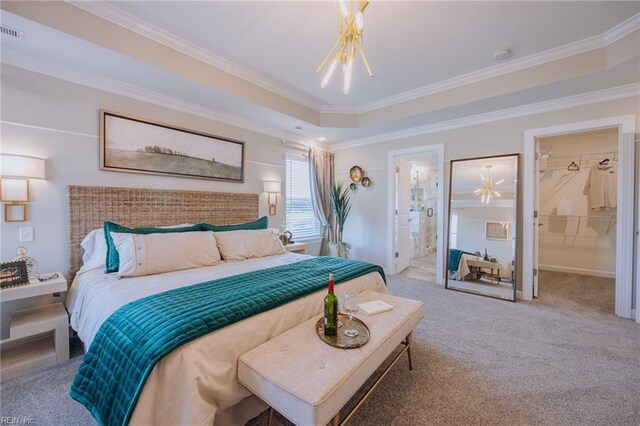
<point>197,383</point>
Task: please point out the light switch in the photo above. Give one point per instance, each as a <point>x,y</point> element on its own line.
<point>26,234</point>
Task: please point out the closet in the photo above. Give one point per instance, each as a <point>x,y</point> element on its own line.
<point>577,227</point>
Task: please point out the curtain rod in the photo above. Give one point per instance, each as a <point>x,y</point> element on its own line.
<point>301,146</point>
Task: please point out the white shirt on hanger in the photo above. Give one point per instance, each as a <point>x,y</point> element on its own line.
<point>602,186</point>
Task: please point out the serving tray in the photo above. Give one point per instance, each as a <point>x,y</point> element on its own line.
<point>342,341</point>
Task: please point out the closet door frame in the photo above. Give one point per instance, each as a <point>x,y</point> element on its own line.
<point>625,231</point>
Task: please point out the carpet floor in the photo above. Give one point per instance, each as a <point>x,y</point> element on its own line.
<point>477,361</point>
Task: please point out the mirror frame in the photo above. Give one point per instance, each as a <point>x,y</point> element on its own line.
<point>516,265</point>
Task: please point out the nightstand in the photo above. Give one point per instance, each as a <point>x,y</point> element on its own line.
<point>300,248</point>
<point>38,335</point>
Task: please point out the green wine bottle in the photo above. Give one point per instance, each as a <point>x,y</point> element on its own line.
<point>330,311</point>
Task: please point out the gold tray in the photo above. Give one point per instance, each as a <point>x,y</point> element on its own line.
<point>342,341</point>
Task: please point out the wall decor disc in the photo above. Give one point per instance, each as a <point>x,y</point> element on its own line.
<point>356,173</point>
<point>366,181</point>
<point>353,186</point>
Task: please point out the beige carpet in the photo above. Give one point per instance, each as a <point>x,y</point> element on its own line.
<point>478,361</point>
<point>577,292</point>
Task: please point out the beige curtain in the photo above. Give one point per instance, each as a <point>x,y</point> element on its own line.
<point>321,171</point>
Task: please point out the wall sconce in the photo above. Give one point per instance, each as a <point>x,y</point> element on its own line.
<point>272,188</point>
<point>15,172</point>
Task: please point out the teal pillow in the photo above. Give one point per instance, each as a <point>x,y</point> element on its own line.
<point>113,259</point>
<point>262,223</point>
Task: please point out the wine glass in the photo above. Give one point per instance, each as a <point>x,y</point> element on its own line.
<point>340,306</point>
<point>350,306</point>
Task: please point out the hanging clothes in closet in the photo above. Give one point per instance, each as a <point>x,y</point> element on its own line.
<point>602,185</point>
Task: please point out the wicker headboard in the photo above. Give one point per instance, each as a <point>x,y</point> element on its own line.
<point>90,206</point>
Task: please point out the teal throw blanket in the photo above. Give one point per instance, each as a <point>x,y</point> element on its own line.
<point>138,335</point>
<point>454,258</point>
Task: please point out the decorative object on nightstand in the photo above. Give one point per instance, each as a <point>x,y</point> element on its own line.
<point>38,336</point>
<point>15,172</point>
<point>286,237</point>
<point>272,188</point>
<point>13,274</point>
<point>32,264</point>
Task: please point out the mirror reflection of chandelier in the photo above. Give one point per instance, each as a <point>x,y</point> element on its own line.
<point>488,190</point>
<point>350,27</point>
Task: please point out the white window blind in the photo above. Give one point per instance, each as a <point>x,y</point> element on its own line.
<point>301,220</point>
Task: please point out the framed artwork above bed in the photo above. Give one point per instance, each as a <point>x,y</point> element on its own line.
<point>496,231</point>
<point>136,145</point>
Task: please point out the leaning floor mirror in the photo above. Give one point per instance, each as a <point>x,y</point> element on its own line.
<point>483,212</point>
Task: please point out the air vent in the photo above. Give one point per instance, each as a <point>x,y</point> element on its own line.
<point>11,32</point>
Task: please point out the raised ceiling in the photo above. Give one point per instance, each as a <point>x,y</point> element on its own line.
<point>409,44</point>
<point>252,64</point>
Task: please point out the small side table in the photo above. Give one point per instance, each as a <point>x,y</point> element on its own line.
<point>39,335</point>
<point>300,248</point>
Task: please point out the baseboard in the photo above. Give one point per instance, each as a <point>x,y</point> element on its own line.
<point>579,271</point>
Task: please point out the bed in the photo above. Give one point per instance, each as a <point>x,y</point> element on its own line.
<point>470,264</point>
<point>197,382</point>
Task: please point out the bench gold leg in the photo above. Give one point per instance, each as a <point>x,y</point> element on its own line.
<point>270,421</point>
<point>409,350</point>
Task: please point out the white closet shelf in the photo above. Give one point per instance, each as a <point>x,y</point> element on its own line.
<point>604,217</point>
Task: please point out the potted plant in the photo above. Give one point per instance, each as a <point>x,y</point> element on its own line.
<point>341,205</point>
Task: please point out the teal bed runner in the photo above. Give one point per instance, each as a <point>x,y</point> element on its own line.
<point>139,334</point>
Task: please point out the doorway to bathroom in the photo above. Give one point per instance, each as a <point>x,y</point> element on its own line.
<point>416,207</point>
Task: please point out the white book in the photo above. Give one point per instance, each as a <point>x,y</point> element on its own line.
<point>375,307</point>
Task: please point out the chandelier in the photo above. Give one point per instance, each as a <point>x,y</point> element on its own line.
<point>350,27</point>
<point>488,190</point>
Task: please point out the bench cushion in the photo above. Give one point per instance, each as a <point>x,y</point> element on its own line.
<point>307,380</point>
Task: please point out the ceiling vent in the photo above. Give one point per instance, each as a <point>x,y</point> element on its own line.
<point>11,32</point>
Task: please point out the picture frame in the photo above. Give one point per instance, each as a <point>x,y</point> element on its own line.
<point>496,231</point>
<point>136,145</point>
<point>15,212</point>
<point>13,273</point>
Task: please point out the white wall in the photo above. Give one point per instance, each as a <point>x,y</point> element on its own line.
<point>575,244</point>
<point>57,120</point>
<point>471,231</point>
<point>366,226</point>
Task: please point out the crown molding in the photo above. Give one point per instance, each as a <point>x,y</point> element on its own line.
<point>598,96</point>
<point>339,109</point>
<point>596,42</point>
<point>130,22</point>
<point>116,87</point>
<point>622,29</point>
<point>139,26</point>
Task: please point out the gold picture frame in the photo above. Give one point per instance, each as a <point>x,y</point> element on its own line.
<point>15,212</point>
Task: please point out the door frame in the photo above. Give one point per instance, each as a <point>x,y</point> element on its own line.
<point>625,211</point>
<point>391,182</point>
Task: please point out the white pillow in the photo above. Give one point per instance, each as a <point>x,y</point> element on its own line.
<point>157,253</point>
<point>241,245</point>
<point>95,248</point>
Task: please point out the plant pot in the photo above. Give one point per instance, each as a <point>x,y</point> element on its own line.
<point>339,249</point>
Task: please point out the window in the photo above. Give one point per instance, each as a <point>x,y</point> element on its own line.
<point>453,232</point>
<point>301,220</point>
